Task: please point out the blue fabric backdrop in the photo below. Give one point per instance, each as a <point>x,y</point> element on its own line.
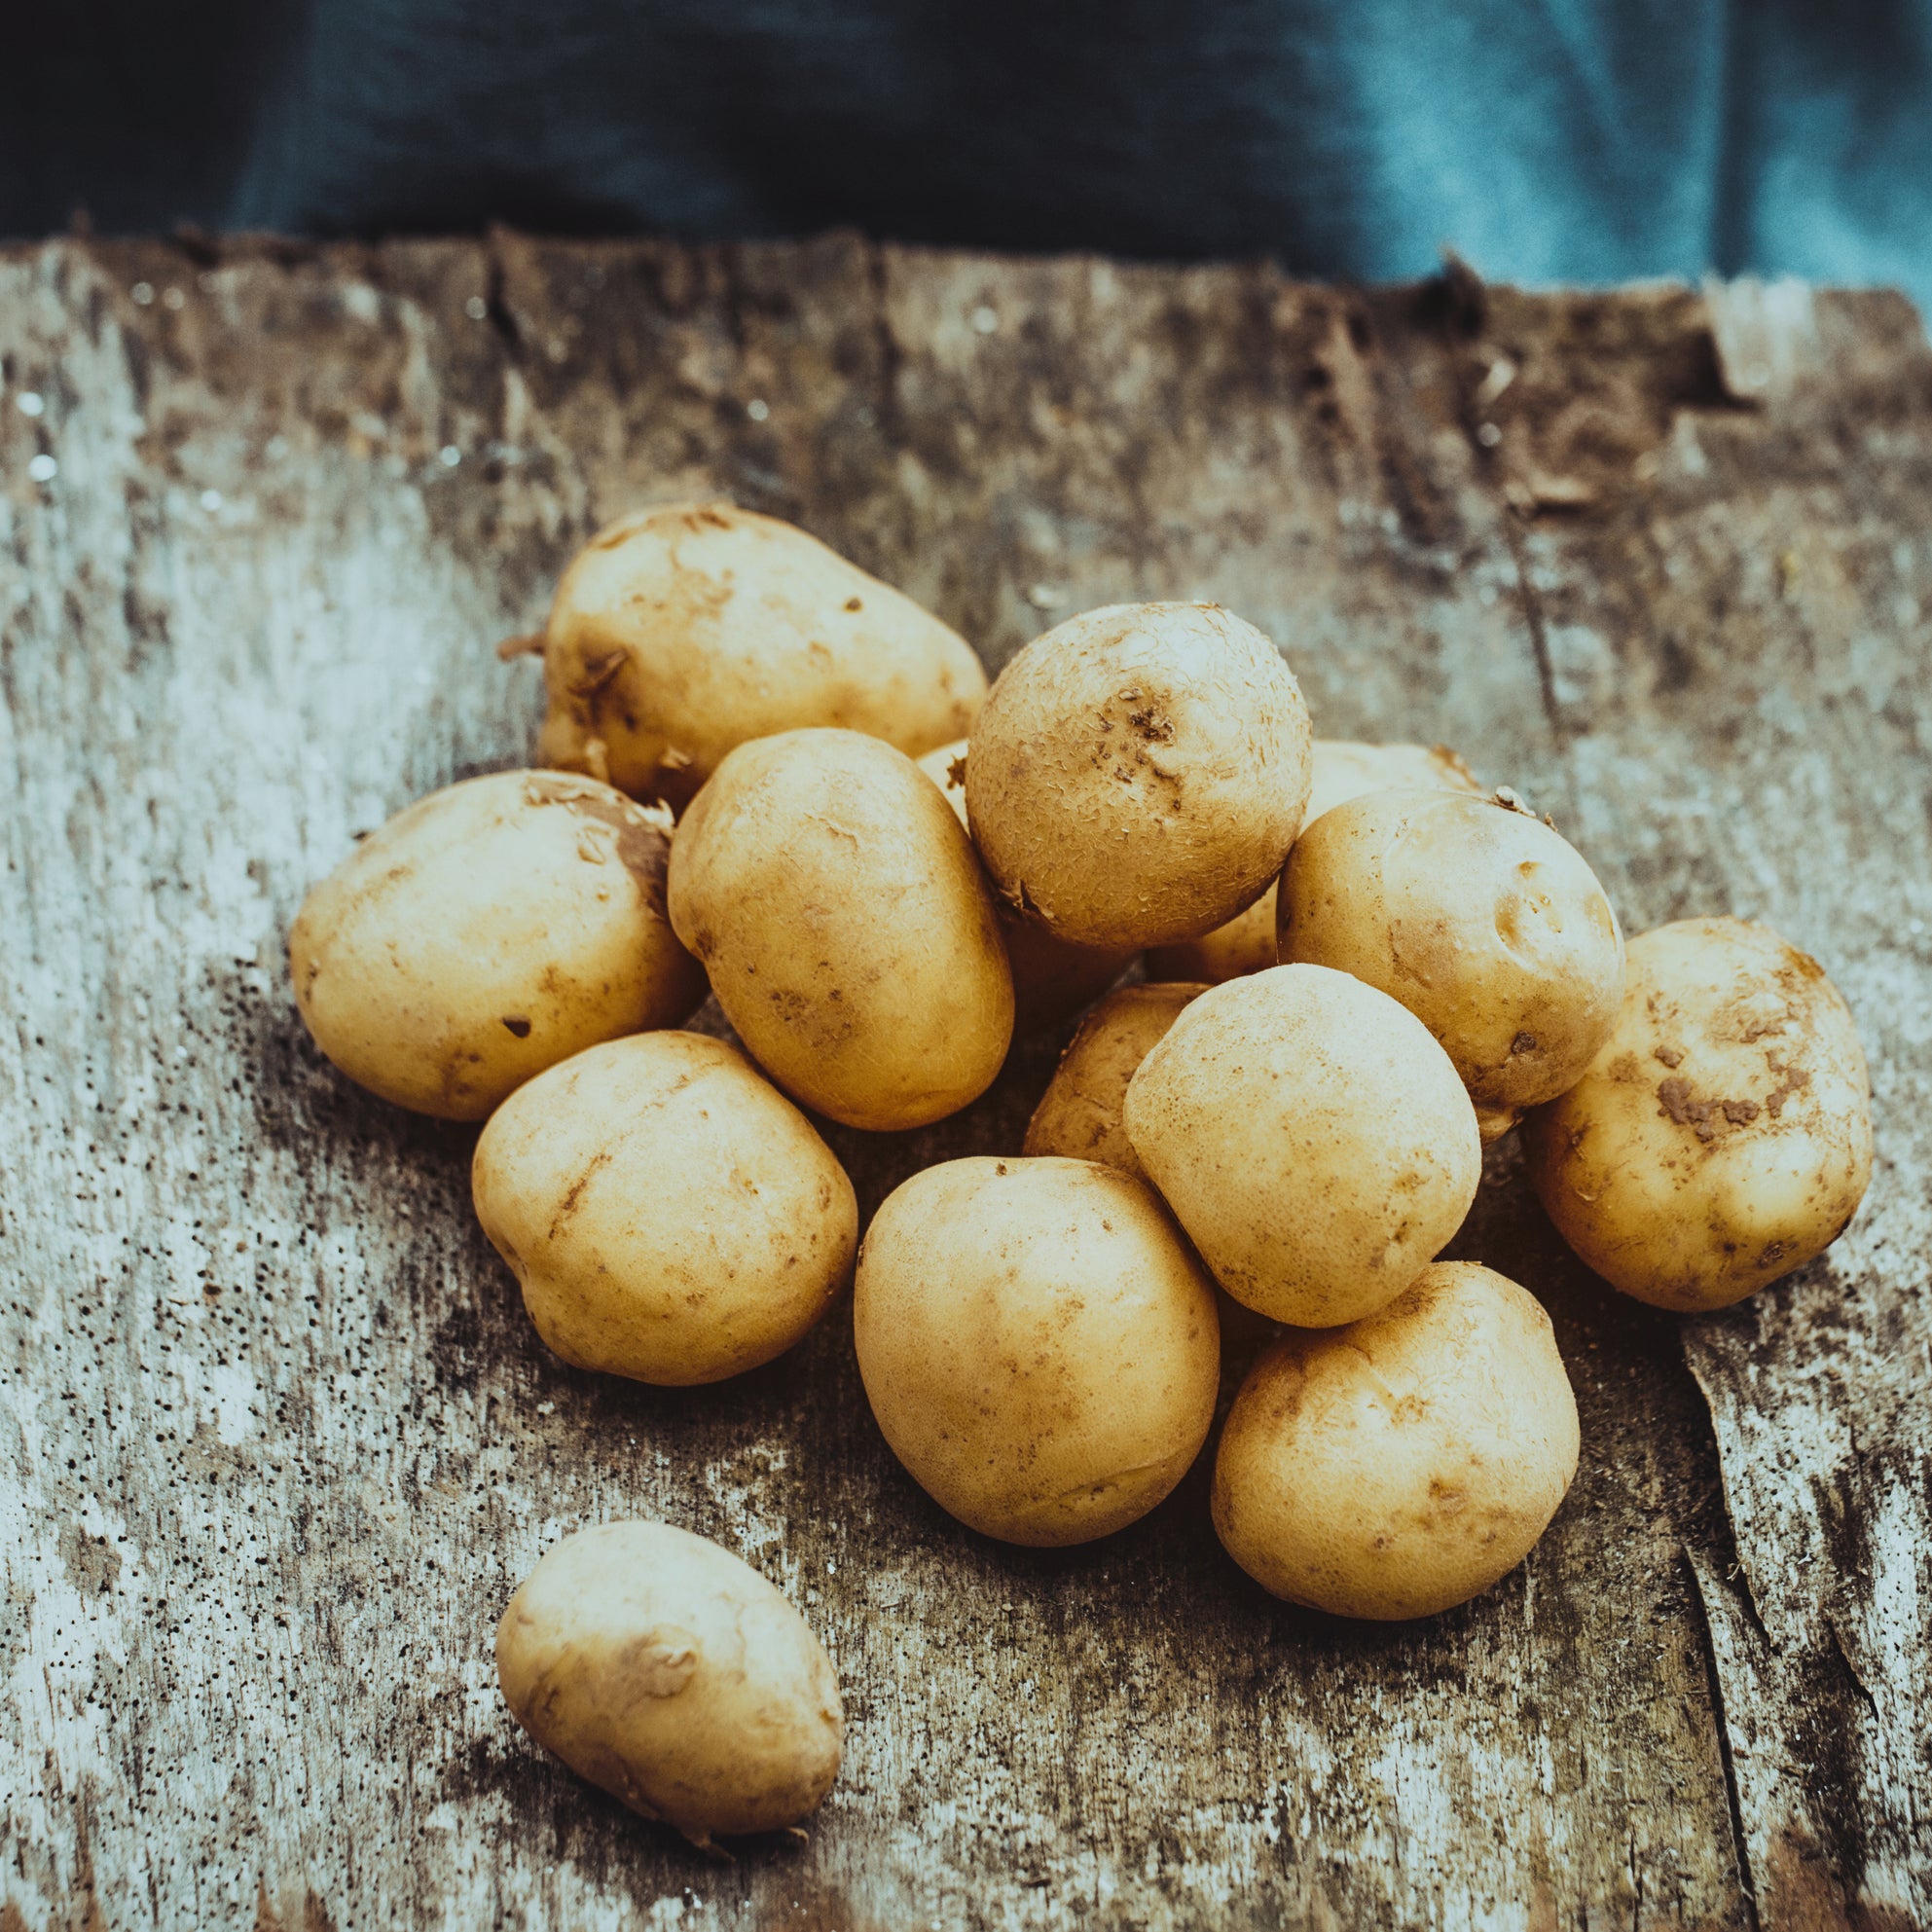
<point>1575,140</point>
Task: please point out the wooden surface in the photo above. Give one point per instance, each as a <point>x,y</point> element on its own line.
<point>279,1439</point>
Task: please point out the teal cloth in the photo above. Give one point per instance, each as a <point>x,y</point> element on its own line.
<point>1544,140</point>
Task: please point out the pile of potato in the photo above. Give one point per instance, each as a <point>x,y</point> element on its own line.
<point>1359,967</point>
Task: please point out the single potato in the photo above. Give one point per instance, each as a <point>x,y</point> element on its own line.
<point>1404,1463</point>
<point>1138,774</point>
<point>848,927</point>
<point>1723,1135</point>
<point>1078,1115</point>
<point>674,1677</point>
<point>668,1212</point>
<point>486,933</point>
<point>1038,1344</point>
<point>1312,1139</point>
<point>1342,770</point>
<point>685,630</point>
<point>1485,924</point>
<point>1052,979</point>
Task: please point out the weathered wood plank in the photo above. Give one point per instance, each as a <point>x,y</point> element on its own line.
<point>284,1440</point>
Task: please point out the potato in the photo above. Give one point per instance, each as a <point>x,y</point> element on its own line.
<point>1052,979</point>
<point>668,1212</point>
<point>486,933</point>
<point>848,927</point>
<point>1078,1115</point>
<point>1488,926</point>
<point>1139,773</point>
<point>1311,1138</point>
<point>1404,1463</point>
<point>1342,771</point>
<point>1037,1344</point>
<point>674,1676</point>
<point>1723,1134</point>
<point>685,630</point>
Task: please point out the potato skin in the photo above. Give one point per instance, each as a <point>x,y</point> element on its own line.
<point>668,1212</point>
<point>685,630</point>
<point>1078,1115</point>
<point>1139,773</point>
<point>1311,1138</point>
<point>1402,1464</point>
<point>1723,1134</point>
<point>486,933</point>
<point>847,926</point>
<point>1037,1344</point>
<point>1052,978</point>
<point>1486,925</point>
<point>674,1677</point>
<point>1342,770</point>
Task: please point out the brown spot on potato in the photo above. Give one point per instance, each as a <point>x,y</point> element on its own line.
<point>1677,1102</point>
<point>574,1199</point>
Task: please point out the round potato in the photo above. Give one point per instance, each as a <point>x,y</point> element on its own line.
<point>1078,1115</point>
<point>1052,979</point>
<point>489,932</point>
<point>1401,1464</point>
<point>1037,1344</point>
<point>1139,773</point>
<point>674,1676</point>
<point>1488,926</point>
<point>685,630</point>
<point>668,1212</point>
<point>1342,770</point>
<point>1723,1135</point>
<point>1311,1138</point>
<point>847,926</point>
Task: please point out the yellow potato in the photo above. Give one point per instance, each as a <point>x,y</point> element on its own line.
<point>847,926</point>
<point>668,1212</point>
<point>685,630</point>
<point>1723,1135</point>
<point>1311,1138</point>
<point>486,933</point>
<point>1404,1463</point>
<point>1037,1344</point>
<point>1052,980</point>
<point>1139,773</point>
<point>1078,1115</point>
<point>1488,926</point>
<point>1342,770</point>
<point>674,1676</point>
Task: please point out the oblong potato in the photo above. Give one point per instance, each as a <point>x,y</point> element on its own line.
<point>1052,978</point>
<point>674,1677</point>
<point>1312,1139</point>
<point>1342,770</point>
<point>668,1212</point>
<point>1404,1463</point>
<point>1723,1134</point>
<point>1139,773</point>
<point>1038,1344</point>
<point>486,933</point>
<point>1484,922</point>
<point>1078,1115</point>
<point>847,926</point>
<point>685,630</point>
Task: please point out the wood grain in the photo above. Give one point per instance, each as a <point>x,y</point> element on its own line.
<point>279,1437</point>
